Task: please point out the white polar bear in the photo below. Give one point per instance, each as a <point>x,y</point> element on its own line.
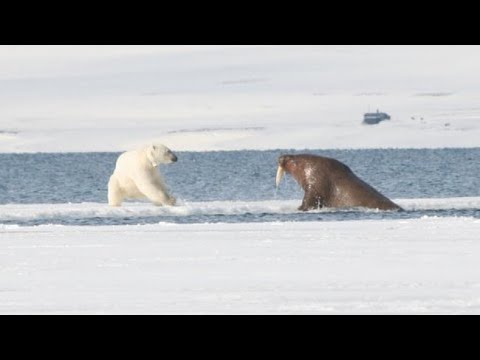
<point>136,176</point>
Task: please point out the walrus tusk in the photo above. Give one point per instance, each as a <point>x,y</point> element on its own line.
<point>280,172</point>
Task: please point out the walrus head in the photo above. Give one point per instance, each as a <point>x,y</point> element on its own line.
<point>286,163</point>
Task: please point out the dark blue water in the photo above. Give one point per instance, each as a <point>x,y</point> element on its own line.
<point>241,175</point>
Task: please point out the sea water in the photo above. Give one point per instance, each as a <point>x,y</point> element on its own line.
<point>238,185</point>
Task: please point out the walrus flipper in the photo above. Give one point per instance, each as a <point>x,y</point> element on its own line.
<point>311,202</point>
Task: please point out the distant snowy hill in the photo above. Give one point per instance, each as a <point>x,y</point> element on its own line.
<point>111,98</point>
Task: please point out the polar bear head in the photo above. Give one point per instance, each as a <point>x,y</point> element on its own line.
<point>159,154</point>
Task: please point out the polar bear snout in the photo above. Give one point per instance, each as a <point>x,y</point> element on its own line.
<point>170,157</point>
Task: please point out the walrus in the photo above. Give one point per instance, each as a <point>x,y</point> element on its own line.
<point>330,183</point>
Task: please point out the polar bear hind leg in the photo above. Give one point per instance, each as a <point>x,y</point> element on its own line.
<point>115,193</point>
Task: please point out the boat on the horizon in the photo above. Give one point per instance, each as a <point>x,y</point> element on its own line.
<point>375,118</point>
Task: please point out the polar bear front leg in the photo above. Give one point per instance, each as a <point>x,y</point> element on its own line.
<point>115,193</point>
<point>171,200</point>
<point>155,193</point>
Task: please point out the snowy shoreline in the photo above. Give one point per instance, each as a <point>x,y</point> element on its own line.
<point>280,150</point>
<point>22,212</point>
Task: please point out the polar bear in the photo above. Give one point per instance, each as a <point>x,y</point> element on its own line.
<point>136,176</point>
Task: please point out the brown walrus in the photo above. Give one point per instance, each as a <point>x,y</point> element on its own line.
<point>330,183</point>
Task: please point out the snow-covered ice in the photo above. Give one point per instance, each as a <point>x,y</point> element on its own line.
<point>112,98</point>
<point>421,266</point>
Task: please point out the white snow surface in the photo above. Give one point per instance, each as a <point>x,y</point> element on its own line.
<point>222,97</point>
<point>421,266</point>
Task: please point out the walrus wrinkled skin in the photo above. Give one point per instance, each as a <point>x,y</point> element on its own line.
<point>330,183</point>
